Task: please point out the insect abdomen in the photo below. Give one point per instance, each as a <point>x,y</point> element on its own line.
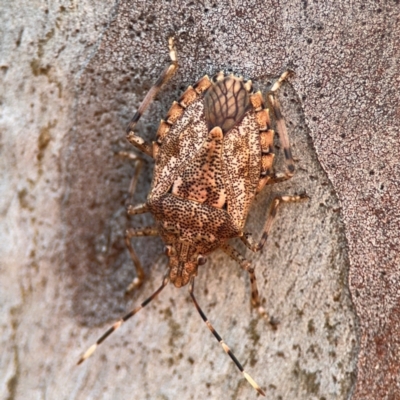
<point>225,103</point>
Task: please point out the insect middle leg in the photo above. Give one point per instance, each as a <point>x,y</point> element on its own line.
<point>139,208</point>
<point>134,210</point>
<point>168,72</point>
<point>138,167</point>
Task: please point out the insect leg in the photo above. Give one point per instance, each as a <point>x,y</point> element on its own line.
<point>168,72</point>
<point>280,123</point>
<point>246,265</point>
<point>138,209</point>
<point>221,342</point>
<point>138,167</point>
<point>129,234</point>
<point>133,210</point>
<point>273,177</point>
<point>277,200</point>
<point>118,323</point>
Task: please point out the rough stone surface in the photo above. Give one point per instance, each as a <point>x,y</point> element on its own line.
<point>72,74</point>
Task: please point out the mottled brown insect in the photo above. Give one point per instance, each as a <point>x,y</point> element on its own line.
<point>213,154</point>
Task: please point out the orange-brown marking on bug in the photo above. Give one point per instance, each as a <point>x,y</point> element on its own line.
<point>267,161</point>
<point>156,149</point>
<point>163,130</point>
<point>174,112</point>
<point>263,119</point>
<point>188,97</point>
<point>267,140</point>
<point>257,101</point>
<point>202,85</point>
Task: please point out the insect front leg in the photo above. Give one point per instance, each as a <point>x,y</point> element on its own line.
<point>137,232</point>
<point>168,72</point>
<point>277,200</point>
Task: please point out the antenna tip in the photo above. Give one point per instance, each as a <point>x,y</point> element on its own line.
<point>87,354</point>
<point>253,383</point>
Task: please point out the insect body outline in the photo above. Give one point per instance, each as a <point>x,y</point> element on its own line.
<point>213,153</point>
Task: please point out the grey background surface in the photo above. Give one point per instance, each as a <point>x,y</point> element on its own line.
<point>72,75</point>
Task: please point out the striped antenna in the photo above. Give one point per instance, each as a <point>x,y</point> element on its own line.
<point>118,323</point>
<point>222,343</point>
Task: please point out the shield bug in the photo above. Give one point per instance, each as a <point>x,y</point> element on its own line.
<point>213,153</point>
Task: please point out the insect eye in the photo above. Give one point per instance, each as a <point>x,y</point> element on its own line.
<point>168,250</point>
<point>201,260</point>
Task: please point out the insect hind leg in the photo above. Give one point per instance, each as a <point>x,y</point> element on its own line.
<point>281,126</point>
<point>165,76</point>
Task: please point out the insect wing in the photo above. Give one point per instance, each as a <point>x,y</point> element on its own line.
<point>241,160</point>
<point>182,143</point>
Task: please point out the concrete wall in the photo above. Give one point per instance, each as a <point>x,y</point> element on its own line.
<point>72,74</point>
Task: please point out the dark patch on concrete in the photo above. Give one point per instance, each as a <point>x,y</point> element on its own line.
<point>308,380</point>
<point>44,139</point>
